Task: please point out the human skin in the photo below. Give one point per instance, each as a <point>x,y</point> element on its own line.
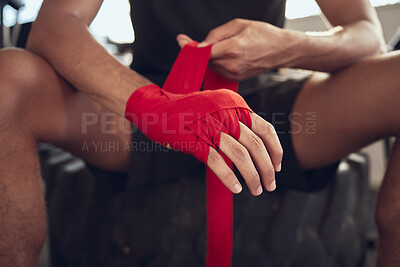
<point>77,57</point>
<point>66,73</point>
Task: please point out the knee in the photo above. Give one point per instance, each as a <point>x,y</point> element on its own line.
<point>387,217</point>
<point>18,76</point>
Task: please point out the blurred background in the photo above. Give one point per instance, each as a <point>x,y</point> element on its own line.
<point>112,28</point>
<point>113,19</point>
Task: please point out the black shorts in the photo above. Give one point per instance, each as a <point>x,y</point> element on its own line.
<point>272,96</point>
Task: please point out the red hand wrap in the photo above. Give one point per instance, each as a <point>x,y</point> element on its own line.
<point>191,121</point>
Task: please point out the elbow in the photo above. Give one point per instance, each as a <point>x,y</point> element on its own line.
<point>41,29</point>
<point>379,46</point>
<point>34,41</point>
<point>48,30</point>
<point>376,39</point>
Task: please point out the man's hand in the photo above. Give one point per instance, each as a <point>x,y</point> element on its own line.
<point>203,122</point>
<point>246,48</point>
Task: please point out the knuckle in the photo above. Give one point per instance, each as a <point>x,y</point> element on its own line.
<point>238,43</point>
<point>232,53</point>
<point>237,48</point>
<point>226,175</point>
<point>252,179</point>
<point>233,69</point>
<point>238,21</point>
<point>256,142</point>
<point>270,173</point>
<point>240,152</point>
<point>248,31</point>
<point>255,178</point>
<point>213,158</point>
<point>270,127</point>
<point>267,128</point>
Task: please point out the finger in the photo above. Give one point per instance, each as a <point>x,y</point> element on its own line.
<point>226,68</point>
<point>218,165</point>
<point>242,160</point>
<point>229,69</point>
<point>267,133</point>
<point>221,49</point>
<point>220,67</point>
<point>259,155</point>
<point>224,31</point>
<point>183,40</point>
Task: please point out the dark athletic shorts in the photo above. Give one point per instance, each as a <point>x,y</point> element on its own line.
<point>164,199</point>
<point>272,96</point>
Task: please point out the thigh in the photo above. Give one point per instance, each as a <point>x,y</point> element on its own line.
<point>351,109</point>
<point>54,111</point>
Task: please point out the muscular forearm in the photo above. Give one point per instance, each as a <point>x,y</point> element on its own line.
<point>65,42</point>
<point>334,49</point>
<point>245,48</point>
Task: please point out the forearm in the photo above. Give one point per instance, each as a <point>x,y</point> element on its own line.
<point>65,42</point>
<point>339,47</point>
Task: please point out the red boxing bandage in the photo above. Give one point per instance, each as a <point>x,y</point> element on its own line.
<point>191,121</point>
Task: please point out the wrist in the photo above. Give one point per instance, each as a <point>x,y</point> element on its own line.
<point>138,99</point>
<point>319,49</point>
<point>297,48</point>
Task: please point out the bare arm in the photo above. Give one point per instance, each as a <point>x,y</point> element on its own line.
<point>245,48</point>
<point>60,35</point>
<point>356,33</point>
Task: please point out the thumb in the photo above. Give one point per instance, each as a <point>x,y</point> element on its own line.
<point>224,31</point>
<point>219,49</point>
<point>183,40</point>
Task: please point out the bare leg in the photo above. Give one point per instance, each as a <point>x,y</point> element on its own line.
<point>354,108</point>
<point>37,105</point>
<point>387,213</point>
